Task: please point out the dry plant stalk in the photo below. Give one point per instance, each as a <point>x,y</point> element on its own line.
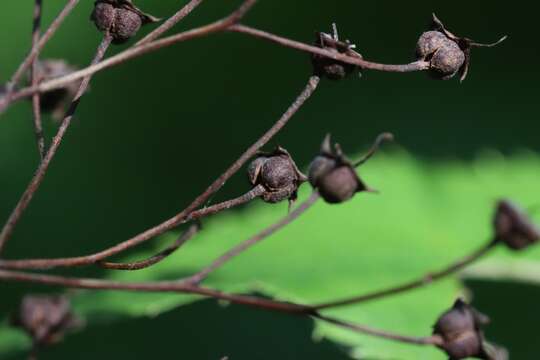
<point>274,176</point>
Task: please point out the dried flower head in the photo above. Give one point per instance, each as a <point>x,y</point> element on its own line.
<point>513,227</point>
<point>330,68</point>
<point>461,334</point>
<point>447,53</point>
<point>45,319</point>
<point>278,173</point>
<point>55,101</point>
<point>333,175</point>
<point>120,17</point>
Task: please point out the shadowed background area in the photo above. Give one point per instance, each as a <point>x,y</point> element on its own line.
<point>154,132</point>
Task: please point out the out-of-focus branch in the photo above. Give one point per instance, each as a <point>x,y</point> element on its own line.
<point>27,62</point>
<point>28,194</point>
<point>36,106</point>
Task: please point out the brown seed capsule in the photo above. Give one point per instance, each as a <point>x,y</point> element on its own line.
<point>279,175</point>
<point>333,175</point>
<point>429,43</point>
<point>447,53</point>
<point>55,101</point>
<point>45,318</point>
<point>459,329</point>
<point>120,17</point>
<point>513,227</point>
<point>330,68</point>
<point>447,61</point>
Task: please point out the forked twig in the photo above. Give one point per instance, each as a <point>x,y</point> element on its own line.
<point>143,264</point>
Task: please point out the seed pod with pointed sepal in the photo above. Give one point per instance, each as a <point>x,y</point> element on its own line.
<point>333,175</point>
<point>513,227</point>
<point>56,101</point>
<point>45,319</point>
<point>447,53</point>
<point>120,18</point>
<point>278,174</point>
<point>460,331</point>
<point>330,68</point>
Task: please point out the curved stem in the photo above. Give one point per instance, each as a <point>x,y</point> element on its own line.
<point>433,340</point>
<point>211,210</point>
<point>173,20</point>
<point>420,282</point>
<point>238,249</point>
<point>374,148</point>
<point>28,194</point>
<point>143,264</point>
<point>353,60</point>
<point>309,89</point>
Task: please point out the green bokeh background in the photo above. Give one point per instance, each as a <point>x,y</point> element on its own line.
<point>154,132</point>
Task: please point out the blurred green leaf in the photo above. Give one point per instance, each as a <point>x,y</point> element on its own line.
<point>425,217</point>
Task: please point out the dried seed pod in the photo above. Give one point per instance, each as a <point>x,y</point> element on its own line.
<point>429,42</point>
<point>330,68</point>
<point>119,17</point>
<point>447,53</point>
<point>333,175</point>
<point>447,61</point>
<point>55,101</point>
<point>513,227</point>
<point>459,329</point>
<point>278,173</point>
<point>45,319</point>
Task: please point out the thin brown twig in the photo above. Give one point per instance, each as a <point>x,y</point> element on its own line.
<point>374,148</point>
<point>160,286</point>
<point>434,340</point>
<point>238,249</point>
<point>143,264</point>
<point>187,288</point>
<point>56,141</point>
<point>353,60</point>
<point>198,214</point>
<point>252,194</point>
<point>184,214</point>
<point>34,52</point>
<point>222,25</point>
<point>36,103</point>
<point>420,282</point>
<point>173,20</point>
